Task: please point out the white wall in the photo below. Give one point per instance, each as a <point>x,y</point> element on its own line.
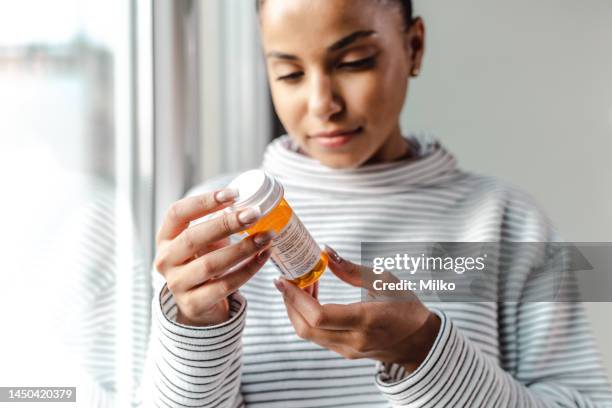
<point>523,90</point>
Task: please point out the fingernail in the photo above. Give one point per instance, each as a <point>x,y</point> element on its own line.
<point>279,285</point>
<point>264,238</point>
<point>226,195</point>
<point>333,254</point>
<point>249,216</point>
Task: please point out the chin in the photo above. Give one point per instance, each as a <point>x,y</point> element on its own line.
<point>349,157</point>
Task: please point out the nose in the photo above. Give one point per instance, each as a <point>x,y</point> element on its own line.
<point>323,102</point>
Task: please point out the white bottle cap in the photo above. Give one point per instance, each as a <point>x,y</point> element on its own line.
<point>256,188</point>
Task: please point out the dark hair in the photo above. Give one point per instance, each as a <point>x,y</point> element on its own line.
<point>406,6</point>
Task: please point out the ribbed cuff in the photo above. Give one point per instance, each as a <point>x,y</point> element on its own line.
<point>427,385</point>
<point>211,337</point>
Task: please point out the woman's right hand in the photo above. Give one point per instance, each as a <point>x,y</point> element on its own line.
<point>195,260</point>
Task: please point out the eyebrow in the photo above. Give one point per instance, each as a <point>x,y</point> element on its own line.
<point>337,46</point>
<point>349,39</point>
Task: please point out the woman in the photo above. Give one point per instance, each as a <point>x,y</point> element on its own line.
<point>339,73</point>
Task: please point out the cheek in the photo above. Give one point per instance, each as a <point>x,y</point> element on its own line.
<point>394,85</point>
<point>378,97</point>
<point>288,106</point>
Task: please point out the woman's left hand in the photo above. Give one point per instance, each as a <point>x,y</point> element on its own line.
<point>399,331</point>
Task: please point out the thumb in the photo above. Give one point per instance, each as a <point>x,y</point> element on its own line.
<point>347,271</point>
<point>359,275</point>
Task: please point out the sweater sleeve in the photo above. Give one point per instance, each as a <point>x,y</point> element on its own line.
<point>456,373</point>
<point>194,366</point>
<point>548,359</point>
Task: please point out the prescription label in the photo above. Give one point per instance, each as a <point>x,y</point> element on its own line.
<point>294,251</point>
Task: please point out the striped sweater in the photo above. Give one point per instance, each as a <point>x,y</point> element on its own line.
<point>485,355</point>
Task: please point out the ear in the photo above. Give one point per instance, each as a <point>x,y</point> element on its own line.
<point>414,45</point>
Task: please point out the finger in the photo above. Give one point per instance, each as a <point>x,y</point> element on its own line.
<point>182,212</point>
<point>211,247</point>
<point>218,245</point>
<point>347,271</point>
<point>315,290</point>
<point>349,344</point>
<point>323,337</point>
<point>361,276</point>
<point>311,289</point>
<point>215,290</point>
<point>195,240</point>
<point>215,264</point>
<point>329,316</point>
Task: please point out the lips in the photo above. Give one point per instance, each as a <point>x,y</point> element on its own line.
<point>336,138</point>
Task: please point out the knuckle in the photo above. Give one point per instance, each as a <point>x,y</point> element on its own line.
<point>226,223</point>
<point>225,287</point>
<point>360,344</point>
<point>188,240</point>
<point>174,211</point>
<point>206,267</point>
<point>161,262</point>
<point>302,331</point>
<point>173,284</point>
<point>189,306</point>
<point>207,201</point>
<point>320,319</point>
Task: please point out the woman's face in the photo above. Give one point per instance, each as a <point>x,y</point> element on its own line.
<point>339,72</point>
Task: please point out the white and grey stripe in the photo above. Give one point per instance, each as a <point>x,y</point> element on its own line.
<point>486,354</point>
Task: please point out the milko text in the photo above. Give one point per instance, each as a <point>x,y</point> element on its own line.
<point>434,285</point>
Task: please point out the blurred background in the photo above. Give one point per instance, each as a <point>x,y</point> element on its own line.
<point>111,110</point>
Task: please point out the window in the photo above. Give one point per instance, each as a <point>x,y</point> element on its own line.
<point>77,212</point>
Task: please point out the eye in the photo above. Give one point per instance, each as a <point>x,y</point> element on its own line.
<point>359,64</point>
<point>290,77</point>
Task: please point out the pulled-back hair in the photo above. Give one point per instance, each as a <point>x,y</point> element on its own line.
<point>406,6</point>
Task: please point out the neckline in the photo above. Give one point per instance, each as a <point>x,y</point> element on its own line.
<point>431,164</point>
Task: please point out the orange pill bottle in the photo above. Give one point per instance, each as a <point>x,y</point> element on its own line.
<point>294,252</point>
